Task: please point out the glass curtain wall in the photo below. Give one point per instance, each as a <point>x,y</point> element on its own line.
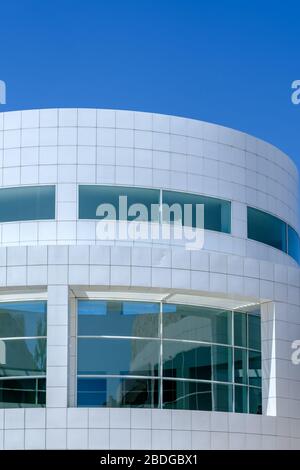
<point>160,355</point>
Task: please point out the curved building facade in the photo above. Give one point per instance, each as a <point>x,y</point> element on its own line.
<point>115,331</point>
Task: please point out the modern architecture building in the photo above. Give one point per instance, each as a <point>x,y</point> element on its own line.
<point>110,341</point>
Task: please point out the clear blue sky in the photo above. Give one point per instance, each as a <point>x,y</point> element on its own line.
<point>226,61</point>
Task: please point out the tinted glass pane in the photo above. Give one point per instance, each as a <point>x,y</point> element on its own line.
<point>27,203</point>
<point>254,332</point>
<point>22,393</point>
<point>217,212</point>
<point>196,323</point>
<point>187,360</point>
<point>241,399</point>
<point>293,244</point>
<point>254,368</point>
<point>117,392</point>
<point>118,356</point>
<point>255,404</point>
<point>240,366</point>
<point>222,398</point>
<point>116,318</point>
<point>90,197</point>
<point>222,364</point>
<point>22,319</point>
<point>266,228</point>
<point>240,329</point>
<point>22,357</point>
<point>187,395</point>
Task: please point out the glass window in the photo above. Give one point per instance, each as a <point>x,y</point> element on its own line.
<point>254,333</point>
<point>114,318</point>
<point>27,203</point>
<point>184,395</point>
<point>255,400</point>
<point>240,329</point>
<point>254,368</point>
<point>20,393</point>
<point>22,357</point>
<point>117,392</point>
<point>187,360</point>
<point>266,228</point>
<point>293,244</point>
<point>217,212</point>
<point>91,197</point>
<point>222,397</point>
<point>196,323</point>
<point>20,319</point>
<point>222,364</point>
<point>241,399</point>
<point>130,355</point>
<point>240,366</point>
<point>23,354</point>
<point>105,356</point>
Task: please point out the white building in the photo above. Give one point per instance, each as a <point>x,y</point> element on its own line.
<point>144,343</point>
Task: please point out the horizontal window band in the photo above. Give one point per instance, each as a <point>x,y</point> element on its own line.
<point>268,229</point>
<point>171,340</point>
<point>163,378</point>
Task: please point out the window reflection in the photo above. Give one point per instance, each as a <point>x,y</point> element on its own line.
<point>187,357</point>
<point>20,393</point>
<point>117,392</point>
<point>92,196</point>
<point>27,203</point>
<point>241,399</point>
<point>118,356</point>
<point>196,323</point>
<point>266,228</point>
<point>117,318</point>
<point>23,354</point>
<point>293,244</point>
<point>217,212</point>
<point>183,395</point>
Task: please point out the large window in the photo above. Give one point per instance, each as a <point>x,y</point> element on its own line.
<point>166,206</point>
<point>23,354</point>
<point>162,355</point>
<point>120,198</point>
<point>216,211</point>
<point>266,228</point>
<point>27,203</point>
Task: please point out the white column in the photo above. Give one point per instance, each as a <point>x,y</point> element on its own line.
<point>57,346</point>
<point>72,352</point>
<point>268,338</point>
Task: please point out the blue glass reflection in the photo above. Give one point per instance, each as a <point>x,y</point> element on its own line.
<point>27,203</point>
<point>20,319</point>
<point>293,244</point>
<point>117,318</point>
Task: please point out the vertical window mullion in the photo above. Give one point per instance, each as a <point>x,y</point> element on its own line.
<point>160,380</point>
